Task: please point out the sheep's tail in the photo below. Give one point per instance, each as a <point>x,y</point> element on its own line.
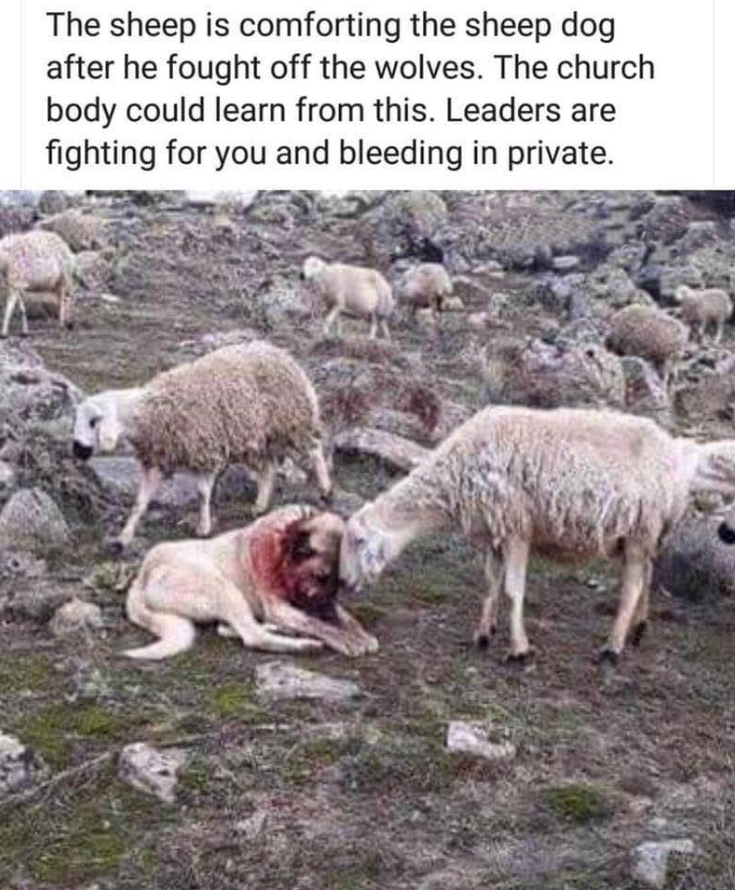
<point>176,632</point>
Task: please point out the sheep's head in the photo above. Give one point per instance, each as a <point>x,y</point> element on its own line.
<point>683,293</point>
<point>366,550</point>
<point>312,267</point>
<point>96,427</point>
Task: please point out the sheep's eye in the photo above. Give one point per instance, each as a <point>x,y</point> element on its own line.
<point>94,421</point>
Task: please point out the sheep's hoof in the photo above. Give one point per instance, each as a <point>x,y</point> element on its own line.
<point>482,639</point>
<point>115,547</point>
<point>639,631</point>
<point>520,659</point>
<point>608,656</point>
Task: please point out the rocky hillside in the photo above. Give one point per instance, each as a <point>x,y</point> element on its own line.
<point>428,765</point>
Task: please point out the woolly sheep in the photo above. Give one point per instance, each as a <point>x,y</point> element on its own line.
<point>351,289</point>
<point>36,261</point>
<point>702,308</point>
<point>240,404</point>
<point>648,333</point>
<point>427,286</point>
<point>567,483</point>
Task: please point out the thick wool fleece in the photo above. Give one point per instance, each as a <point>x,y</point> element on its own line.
<point>242,404</point>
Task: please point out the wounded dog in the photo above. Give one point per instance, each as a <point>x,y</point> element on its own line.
<point>280,573</point>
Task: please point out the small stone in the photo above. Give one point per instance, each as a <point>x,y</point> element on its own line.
<point>253,827</point>
<point>279,680</point>
<point>478,320</point>
<point>565,263</point>
<point>76,617</point>
<point>472,738</point>
<point>151,771</point>
<point>453,304</point>
<point>7,477</point>
<point>651,861</point>
<point>18,765</point>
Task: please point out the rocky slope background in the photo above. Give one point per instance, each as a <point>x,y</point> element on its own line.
<point>429,765</point>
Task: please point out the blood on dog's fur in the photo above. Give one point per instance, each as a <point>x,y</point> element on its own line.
<point>289,567</point>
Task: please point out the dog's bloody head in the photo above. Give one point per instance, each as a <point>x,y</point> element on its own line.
<point>300,563</point>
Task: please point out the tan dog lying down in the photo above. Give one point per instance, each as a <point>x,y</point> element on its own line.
<point>282,569</point>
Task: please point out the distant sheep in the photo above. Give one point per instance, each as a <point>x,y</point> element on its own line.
<point>354,290</point>
<point>81,231</point>
<point>36,261</point>
<point>427,287</point>
<point>249,404</point>
<point>701,309</point>
<point>651,334</point>
<point>565,483</point>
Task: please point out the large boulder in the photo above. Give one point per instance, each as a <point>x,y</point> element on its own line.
<point>695,563</point>
<point>406,224</point>
<point>31,395</point>
<point>81,231</point>
<point>18,765</point>
<point>31,521</point>
<point>555,375</point>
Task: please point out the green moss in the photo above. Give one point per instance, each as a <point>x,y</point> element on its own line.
<point>53,730</point>
<point>235,700</point>
<point>577,803</point>
<point>33,673</point>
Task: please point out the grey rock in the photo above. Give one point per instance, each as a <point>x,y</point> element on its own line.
<point>34,601</point>
<point>76,617</point>
<point>694,563</point>
<point>19,766</point>
<point>31,521</point>
<point>278,680</point>
<point>474,739</point>
<point>565,263</point>
<point>151,771</point>
<point>646,394</point>
<point>651,861</point>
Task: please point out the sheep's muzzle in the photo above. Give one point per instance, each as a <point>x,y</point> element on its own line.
<point>726,533</point>
<point>82,452</point>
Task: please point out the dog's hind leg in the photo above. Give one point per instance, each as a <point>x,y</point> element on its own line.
<point>176,635</point>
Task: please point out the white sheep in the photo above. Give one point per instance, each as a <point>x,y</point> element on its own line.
<point>427,287</point>
<point>565,482</point>
<point>701,309</point>
<point>36,261</point>
<point>248,404</point>
<point>282,569</point>
<point>649,333</point>
<point>351,289</point>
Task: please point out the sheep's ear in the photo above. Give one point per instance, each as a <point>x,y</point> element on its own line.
<point>109,433</point>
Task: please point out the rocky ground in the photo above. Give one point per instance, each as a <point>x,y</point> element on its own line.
<point>428,765</point>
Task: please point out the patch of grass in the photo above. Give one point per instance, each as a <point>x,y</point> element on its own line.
<point>576,803</point>
<point>53,730</point>
<point>235,700</point>
<point>34,673</point>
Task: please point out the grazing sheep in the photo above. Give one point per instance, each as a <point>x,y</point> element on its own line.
<point>567,483</point>
<point>651,334</point>
<point>282,569</point>
<point>351,289</point>
<point>247,404</point>
<point>702,308</point>
<point>427,286</point>
<point>81,231</point>
<point>36,261</point>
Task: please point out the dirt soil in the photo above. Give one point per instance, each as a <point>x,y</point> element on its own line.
<point>363,795</point>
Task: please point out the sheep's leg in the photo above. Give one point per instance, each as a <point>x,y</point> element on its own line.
<point>205,485</point>
<point>10,304</point>
<point>373,326</point>
<point>516,563</point>
<point>635,573</point>
<point>149,483</point>
<point>65,316</point>
<point>321,471</point>
<point>23,315</point>
<point>719,332</point>
<point>331,319</point>
<point>385,328</point>
<point>266,480</point>
<point>489,619</point>
<point>640,619</point>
